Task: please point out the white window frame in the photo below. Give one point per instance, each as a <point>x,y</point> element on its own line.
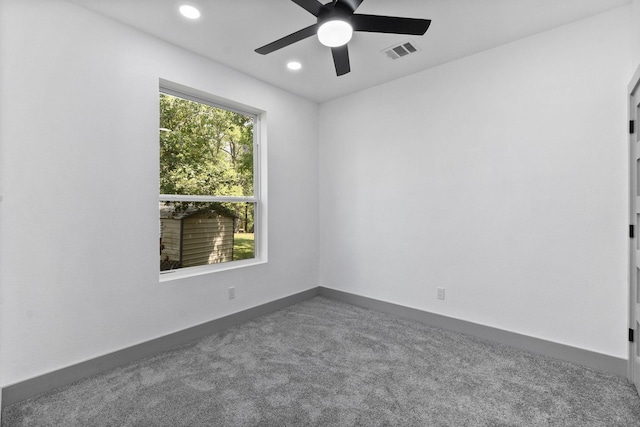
<point>259,182</point>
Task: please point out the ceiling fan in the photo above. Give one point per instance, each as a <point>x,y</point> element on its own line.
<point>336,23</point>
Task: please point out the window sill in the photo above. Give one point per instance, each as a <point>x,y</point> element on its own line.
<point>183,273</point>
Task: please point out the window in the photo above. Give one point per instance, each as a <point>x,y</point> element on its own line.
<point>209,205</point>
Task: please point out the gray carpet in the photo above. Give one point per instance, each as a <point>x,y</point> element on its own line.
<point>323,362</point>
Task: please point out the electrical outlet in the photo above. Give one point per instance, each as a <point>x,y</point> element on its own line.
<point>232,292</point>
<point>440,293</point>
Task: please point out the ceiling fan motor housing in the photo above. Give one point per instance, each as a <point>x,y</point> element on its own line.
<point>330,12</point>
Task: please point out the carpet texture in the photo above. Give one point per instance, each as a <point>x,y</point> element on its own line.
<point>322,362</point>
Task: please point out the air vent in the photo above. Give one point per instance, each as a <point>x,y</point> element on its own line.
<point>398,51</point>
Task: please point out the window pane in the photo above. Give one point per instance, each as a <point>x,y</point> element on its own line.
<point>199,233</point>
<point>204,150</point>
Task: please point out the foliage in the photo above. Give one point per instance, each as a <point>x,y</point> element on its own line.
<point>243,246</point>
<point>206,150</point>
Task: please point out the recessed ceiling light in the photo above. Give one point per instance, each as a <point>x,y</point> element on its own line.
<point>294,65</point>
<point>189,11</point>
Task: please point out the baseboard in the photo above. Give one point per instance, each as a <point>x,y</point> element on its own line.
<point>44,383</point>
<point>59,378</point>
<point>591,359</point>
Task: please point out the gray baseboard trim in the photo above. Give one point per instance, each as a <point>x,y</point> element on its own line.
<point>44,383</point>
<point>52,380</point>
<point>591,359</point>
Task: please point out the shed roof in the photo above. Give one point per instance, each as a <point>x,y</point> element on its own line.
<point>168,211</point>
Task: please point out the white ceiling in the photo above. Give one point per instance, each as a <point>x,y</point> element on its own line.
<point>229,30</point>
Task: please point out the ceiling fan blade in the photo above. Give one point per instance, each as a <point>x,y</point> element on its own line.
<point>390,24</point>
<point>341,59</point>
<point>287,40</point>
<point>352,5</point>
<point>311,6</point>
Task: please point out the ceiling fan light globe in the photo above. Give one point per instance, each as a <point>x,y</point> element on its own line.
<point>335,33</point>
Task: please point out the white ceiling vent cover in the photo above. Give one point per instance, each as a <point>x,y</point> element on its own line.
<point>400,50</point>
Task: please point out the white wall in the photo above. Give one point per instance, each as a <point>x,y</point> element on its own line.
<point>501,177</point>
<point>635,36</point>
<point>79,180</point>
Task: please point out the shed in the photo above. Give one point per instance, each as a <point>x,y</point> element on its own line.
<point>194,237</point>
